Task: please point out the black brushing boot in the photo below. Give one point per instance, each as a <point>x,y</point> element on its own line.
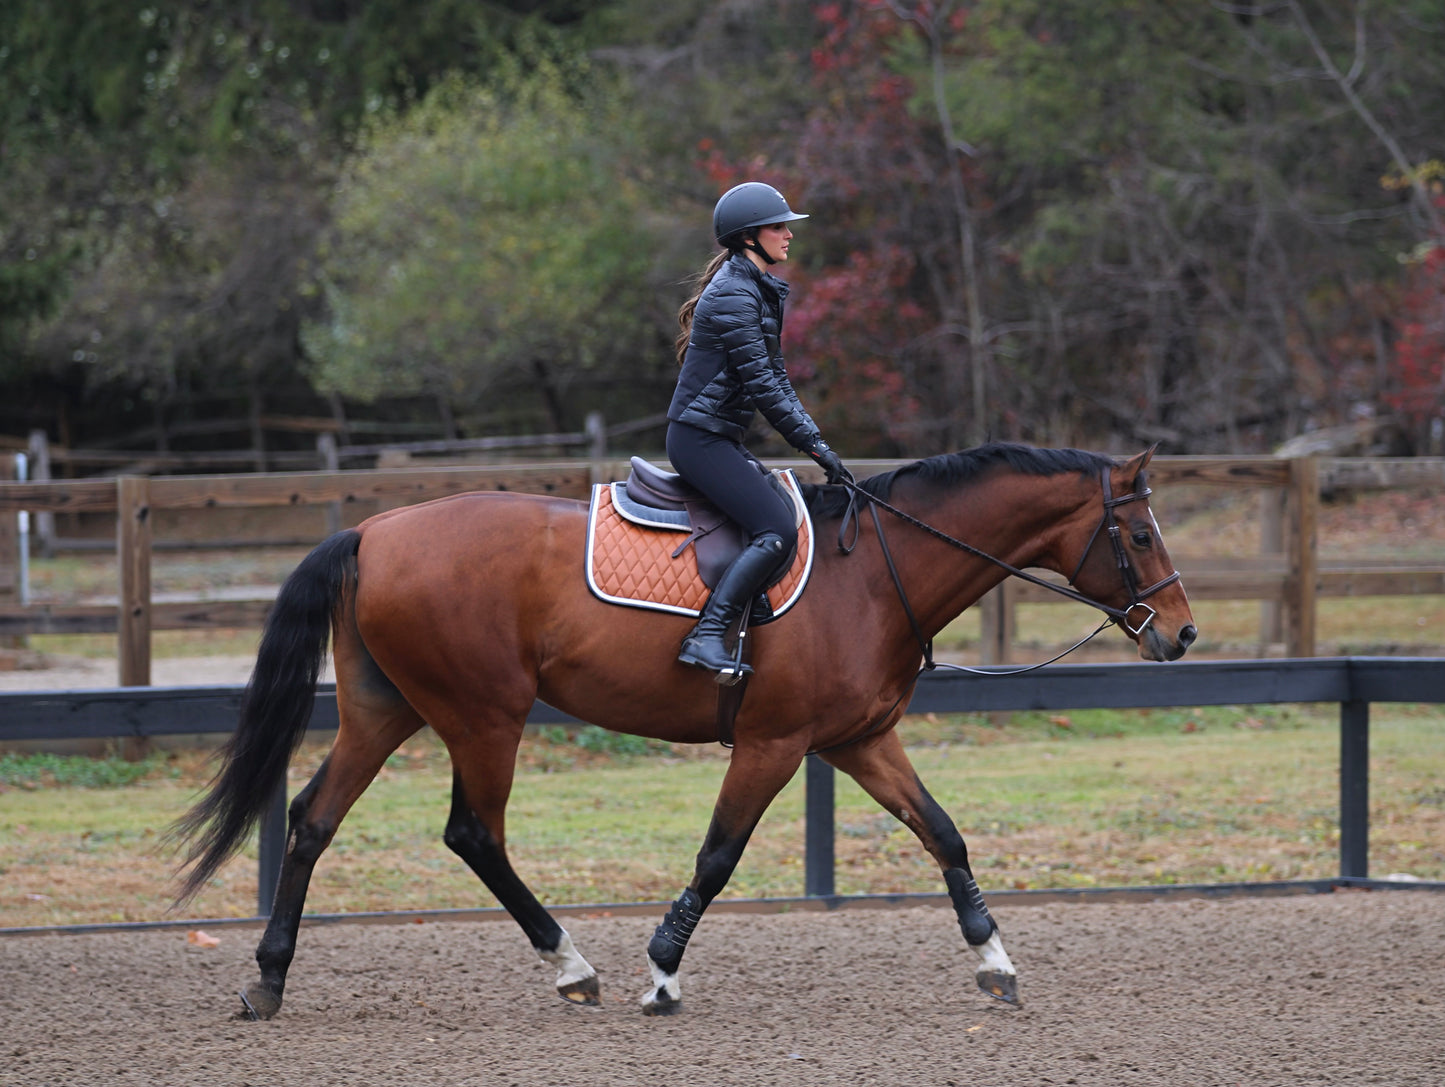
<point>744,579</point>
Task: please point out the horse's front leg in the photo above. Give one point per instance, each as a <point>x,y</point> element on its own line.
<point>755,775</point>
<point>882,768</point>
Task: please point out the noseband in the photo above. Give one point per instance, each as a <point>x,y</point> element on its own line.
<point>1108,524</point>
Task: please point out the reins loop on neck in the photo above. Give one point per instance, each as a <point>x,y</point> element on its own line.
<point>1107,524</point>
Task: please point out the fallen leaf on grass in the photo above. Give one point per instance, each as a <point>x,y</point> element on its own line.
<point>201,938</point>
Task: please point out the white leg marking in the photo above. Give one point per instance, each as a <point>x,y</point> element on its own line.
<point>571,966</point>
<point>994,957</point>
<point>662,982</point>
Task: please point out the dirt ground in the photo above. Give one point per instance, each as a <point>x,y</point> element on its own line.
<point>1343,988</point>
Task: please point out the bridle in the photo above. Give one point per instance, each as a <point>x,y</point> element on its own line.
<point>1108,524</point>
<point>1137,596</point>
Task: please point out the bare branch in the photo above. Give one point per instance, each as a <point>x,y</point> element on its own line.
<point>1363,111</point>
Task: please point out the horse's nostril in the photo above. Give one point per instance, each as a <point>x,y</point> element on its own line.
<point>1187,634</point>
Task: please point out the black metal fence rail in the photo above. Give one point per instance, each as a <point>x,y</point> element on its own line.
<point>1352,682</point>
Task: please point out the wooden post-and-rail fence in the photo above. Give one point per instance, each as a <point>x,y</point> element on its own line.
<point>1289,579</point>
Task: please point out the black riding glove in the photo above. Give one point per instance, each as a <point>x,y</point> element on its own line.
<point>832,466</point>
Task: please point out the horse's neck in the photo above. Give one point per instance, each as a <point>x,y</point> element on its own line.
<point>1012,518</point>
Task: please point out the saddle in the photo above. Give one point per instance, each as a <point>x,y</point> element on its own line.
<point>653,541</point>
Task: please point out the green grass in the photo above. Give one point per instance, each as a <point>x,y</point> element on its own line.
<point>1353,626</point>
<point>164,643</point>
<point>1084,799</point>
<point>47,770</point>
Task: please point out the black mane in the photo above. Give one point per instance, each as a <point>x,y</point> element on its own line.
<point>948,470</point>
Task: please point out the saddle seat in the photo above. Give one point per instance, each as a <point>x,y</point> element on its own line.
<point>652,486</point>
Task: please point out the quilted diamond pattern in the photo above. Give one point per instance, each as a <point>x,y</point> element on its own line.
<point>634,565</point>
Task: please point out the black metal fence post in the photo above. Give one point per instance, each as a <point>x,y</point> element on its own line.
<point>818,823</point>
<point>272,847</point>
<point>1355,789</point>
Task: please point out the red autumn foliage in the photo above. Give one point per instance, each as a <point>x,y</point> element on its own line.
<point>865,164</point>
<point>1418,368</point>
<point>844,337</point>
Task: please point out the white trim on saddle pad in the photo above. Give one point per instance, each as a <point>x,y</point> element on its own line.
<point>807,543</point>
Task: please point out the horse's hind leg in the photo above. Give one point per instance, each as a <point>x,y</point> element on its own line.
<point>882,768</point>
<point>475,832</point>
<point>375,720</point>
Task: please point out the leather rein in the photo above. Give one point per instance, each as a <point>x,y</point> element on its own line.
<point>1108,524</point>
<point>730,697</point>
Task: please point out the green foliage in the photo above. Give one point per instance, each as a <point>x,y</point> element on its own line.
<point>488,237</point>
<point>600,741</point>
<point>80,62</point>
<point>595,741</point>
<point>30,287</point>
<point>166,169</point>
<point>213,75</point>
<point>1151,217</point>
<point>45,770</point>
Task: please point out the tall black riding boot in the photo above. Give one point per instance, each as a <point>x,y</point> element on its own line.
<point>743,580</point>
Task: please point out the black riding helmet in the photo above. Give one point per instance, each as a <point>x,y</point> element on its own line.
<point>746,207</point>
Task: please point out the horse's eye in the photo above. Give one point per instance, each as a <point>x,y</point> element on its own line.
<point>1142,538</point>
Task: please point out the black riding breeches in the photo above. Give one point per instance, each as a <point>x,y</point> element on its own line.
<point>733,479</point>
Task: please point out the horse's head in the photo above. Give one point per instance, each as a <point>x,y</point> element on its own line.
<point>1122,562</point>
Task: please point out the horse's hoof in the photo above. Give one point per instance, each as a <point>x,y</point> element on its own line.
<point>660,1003</point>
<point>585,991</point>
<point>1002,986</point>
<point>258,1002</point>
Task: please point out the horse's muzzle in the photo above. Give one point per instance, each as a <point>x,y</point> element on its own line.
<point>1154,646</point>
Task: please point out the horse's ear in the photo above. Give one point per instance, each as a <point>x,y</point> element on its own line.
<point>1137,463</point>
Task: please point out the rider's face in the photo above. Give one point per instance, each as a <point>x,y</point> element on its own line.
<point>774,240</point>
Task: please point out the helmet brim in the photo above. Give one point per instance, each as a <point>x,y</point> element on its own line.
<point>791,217</point>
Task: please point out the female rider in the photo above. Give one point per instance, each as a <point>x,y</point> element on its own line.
<point>732,363</point>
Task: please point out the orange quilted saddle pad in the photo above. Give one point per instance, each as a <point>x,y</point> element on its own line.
<point>633,565</point>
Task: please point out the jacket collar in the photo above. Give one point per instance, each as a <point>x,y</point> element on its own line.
<point>742,266</point>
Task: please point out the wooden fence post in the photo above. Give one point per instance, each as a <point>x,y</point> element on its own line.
<point>133,556</point>
<point>9,556</point>
<point>596,430</point>
<point>1304,565</point>
<point>330,462</point>
<point>43,521</point>
<point>996,625</point>
<point>1272,544</point>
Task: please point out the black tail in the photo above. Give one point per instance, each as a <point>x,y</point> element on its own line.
<point>275,711</point>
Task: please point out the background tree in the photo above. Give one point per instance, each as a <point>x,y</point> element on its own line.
<point>489,249</point>
<point>1088,222</point>
<point>167,179</point>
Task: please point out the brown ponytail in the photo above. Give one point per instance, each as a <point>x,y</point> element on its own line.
<point>684,315</point>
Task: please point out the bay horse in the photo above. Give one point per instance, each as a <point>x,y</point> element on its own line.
<point>460,612</point>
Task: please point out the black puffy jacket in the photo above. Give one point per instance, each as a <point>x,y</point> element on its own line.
<point>734,359</point>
